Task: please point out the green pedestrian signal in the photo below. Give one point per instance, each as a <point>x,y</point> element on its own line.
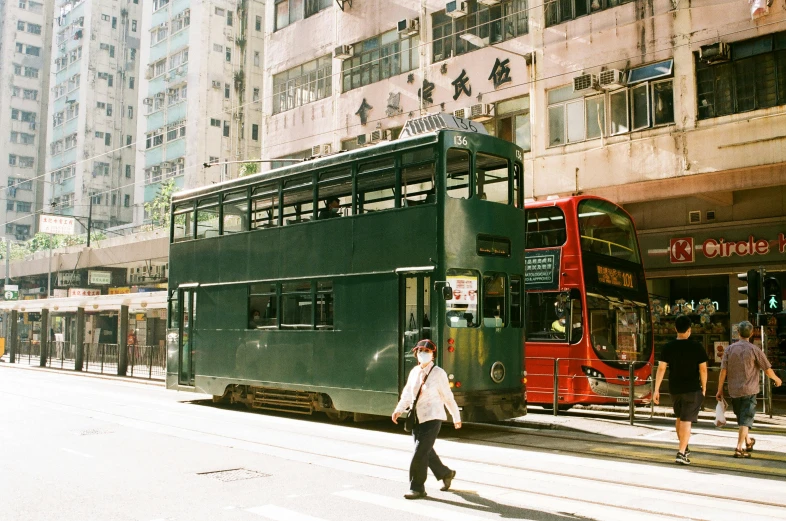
<point>773,298</point>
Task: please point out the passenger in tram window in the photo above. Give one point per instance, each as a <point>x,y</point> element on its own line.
<point>331,209</point>
<point>426,396</point>
<point>256,319</point>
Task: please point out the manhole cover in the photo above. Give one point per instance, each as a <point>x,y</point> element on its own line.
<point>234,474</point>
<point>92,432</point>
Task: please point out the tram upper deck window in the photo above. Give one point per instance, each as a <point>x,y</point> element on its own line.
<point>262,308</point>
<point>457,175</point>
<point>518,185</point>
<point>264,206</point>
<point>545,227</point>
<point>606,229</point>
<point>494,306</point>
<point>235,212</point>
<point>332,186</point>
<point>298,199</point>
<point>462,309</point>
<point>207,218</point>
<point>376,186</point>
<point>492,178</point>
<point>183,222</point>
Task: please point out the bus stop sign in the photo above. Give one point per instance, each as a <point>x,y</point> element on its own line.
<point>11,292</point>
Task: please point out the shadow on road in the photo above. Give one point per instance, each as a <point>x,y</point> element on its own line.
<point>474,501</point>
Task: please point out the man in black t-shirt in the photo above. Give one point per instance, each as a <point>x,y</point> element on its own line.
<point>687,363</point>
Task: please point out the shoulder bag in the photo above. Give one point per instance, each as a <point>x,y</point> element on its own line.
<point>409,422</point>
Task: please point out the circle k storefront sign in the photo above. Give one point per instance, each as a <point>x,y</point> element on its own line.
<point>724,247</point>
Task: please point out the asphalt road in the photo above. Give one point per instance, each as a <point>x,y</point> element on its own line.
<point>77,448</point>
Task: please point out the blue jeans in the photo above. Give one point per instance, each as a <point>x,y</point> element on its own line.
<point>744,408</point>
<point>425,434</point>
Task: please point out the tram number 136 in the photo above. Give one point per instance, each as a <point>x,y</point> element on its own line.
<point>465,124</point>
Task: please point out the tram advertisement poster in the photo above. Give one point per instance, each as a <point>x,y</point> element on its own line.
<point>541,269</point>
<point>464,304</point>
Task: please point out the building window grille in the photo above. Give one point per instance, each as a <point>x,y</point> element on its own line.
<point>302,85</point>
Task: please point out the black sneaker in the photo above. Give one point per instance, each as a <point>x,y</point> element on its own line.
<point>413,494</point>
<point>682,459</point>
<point>687,452</point>
<point>447,480</point>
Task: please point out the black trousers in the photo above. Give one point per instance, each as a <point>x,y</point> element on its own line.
<point>424,458</point>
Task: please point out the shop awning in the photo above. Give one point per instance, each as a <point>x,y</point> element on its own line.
<point>134,301</point>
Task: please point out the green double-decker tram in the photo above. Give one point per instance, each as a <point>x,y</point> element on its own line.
<point>304,289</point>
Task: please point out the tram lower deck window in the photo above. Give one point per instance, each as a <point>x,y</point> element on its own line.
<point>462,309</point>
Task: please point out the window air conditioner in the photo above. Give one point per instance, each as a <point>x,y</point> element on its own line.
<point>216,84</point>
<point>715,53</point>
<point>488,2</point>
<point>362,139</point>
<point>147,101</point>
<point>171,92</point>
<point>612,79</point>
<point>481,112</point>
<point>380,135</point>
<point>160,95</point>
<point>316,150</point>
<point>408,26</point>
<point>165,164</point>
<point>456,9</point>
<point>585,82</point>
<point>343,52</point>
<point>181,160</point>
<point>461,113</point>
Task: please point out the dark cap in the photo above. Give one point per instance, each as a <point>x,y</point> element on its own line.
<point>425,344</point>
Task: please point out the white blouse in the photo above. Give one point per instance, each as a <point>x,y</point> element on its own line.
<point>434,398</point>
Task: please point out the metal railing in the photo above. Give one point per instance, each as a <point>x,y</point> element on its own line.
<point>143,361</point>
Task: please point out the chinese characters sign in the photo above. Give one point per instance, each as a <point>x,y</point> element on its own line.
<point>56,224</point>
<point>541,269</point>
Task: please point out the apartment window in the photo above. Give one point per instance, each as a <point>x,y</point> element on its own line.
<point>129,140</point>
<point>258,23</point>
<point>219,11</point>
<point>107,139</point>
<point>131,82</point>
<point>178,59</point>
<point>158,4</point>
<point>31,72</point>
<point>380,58</point>
<point>227,90</point>
<point>130,112</point>
<point>566,116</point>
<point>9,206</point>
<point>23,207</point>
<point>290,11</point>
<point>99,135</point>
<point>513,122</point>
<point>15,91</point>
<point>114,22</point>
<point>754,78</point>
<point>114,199</point>
<point>255,132</point>
<point>229,18</point>
<point>70,141</point>
<point>215,122</point>
<point>303,84</point>
<point>100,168</point>
<point>128,170</point>
<point>35,7</point>
<point>255,96</point>
<point>22,4</point>
<point>105,17</point>
<point>33,28</point>
<point>126,201</point>
<point>558,11</point>
<point>229,54</point>
<point>226,128</point>
<point>11,160</point>
<point>176,131</point>
<point>133,25</point>
<point>217,47</point>
<point>20,26</point>
<point>108,109</point>
<point>159,34</point>
<point>491,24</point>
<point>159,68</point>
<point>26,162</point>
<point>256,58</point>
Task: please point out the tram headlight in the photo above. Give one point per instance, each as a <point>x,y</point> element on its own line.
<point>498,372</point>
<point>593,373</point>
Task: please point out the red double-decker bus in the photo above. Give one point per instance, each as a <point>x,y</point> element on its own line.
<point>587,304</point>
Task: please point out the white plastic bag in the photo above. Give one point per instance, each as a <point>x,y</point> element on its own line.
<point>720,413</point>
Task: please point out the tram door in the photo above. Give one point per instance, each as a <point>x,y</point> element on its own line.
<point>187,311</point>
<point>414,318</point>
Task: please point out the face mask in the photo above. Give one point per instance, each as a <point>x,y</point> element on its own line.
<point>424,357</point>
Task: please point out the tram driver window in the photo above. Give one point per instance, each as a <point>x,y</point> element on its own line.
<point>462,309</point>
<point>262,308</point>
<point>494,307</point>
<point>457,180</point>
<point>545,227</point>
<point>492,176</point>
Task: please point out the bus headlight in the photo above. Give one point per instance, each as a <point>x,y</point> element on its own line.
<point>497,372</point>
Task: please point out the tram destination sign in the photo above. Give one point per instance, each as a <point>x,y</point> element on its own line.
<point>541,269</point>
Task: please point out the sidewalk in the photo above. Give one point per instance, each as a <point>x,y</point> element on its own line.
<point>159,382</point>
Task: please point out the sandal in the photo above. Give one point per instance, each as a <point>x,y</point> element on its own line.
<point>738,453</point>
<point>749,446</point>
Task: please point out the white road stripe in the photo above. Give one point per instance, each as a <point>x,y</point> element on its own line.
<point>76,452</point>
<point>419,507</point>
<point>281,514</point>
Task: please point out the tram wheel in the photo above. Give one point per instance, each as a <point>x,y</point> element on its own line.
<point>338,416</point>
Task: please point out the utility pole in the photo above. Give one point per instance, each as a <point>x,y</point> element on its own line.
<point>89,221</point>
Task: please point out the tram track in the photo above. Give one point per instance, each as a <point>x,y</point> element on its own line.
<point>634,487</point>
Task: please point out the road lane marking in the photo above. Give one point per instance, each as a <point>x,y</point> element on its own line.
<point>281,514</point>
<point>71,451</point>
<point>418,507</point>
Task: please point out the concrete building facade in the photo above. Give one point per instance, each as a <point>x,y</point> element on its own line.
<point>25,39</point>
<point>200,92</point>
<point>93,112</point>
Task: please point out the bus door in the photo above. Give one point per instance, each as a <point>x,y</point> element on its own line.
<point>186,349</point>
<point>414,318</point>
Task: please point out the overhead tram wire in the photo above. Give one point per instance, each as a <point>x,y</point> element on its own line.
<point>557,75</point>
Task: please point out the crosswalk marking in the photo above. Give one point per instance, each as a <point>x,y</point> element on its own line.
<point>419,507</point>
<point>281,514</point>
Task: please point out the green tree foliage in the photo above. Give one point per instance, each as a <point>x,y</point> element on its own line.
<point>158,208</point>
<point>247,169</point>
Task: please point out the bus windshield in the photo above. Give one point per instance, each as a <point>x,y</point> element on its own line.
<point>606,229</point>
<point>619,329</point>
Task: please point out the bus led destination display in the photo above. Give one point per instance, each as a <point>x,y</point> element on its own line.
<point>616,277</point>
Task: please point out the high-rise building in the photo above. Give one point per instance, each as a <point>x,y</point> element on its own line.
<point>93,112</point>
<point>199,92</point>
<point>25,39</point>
